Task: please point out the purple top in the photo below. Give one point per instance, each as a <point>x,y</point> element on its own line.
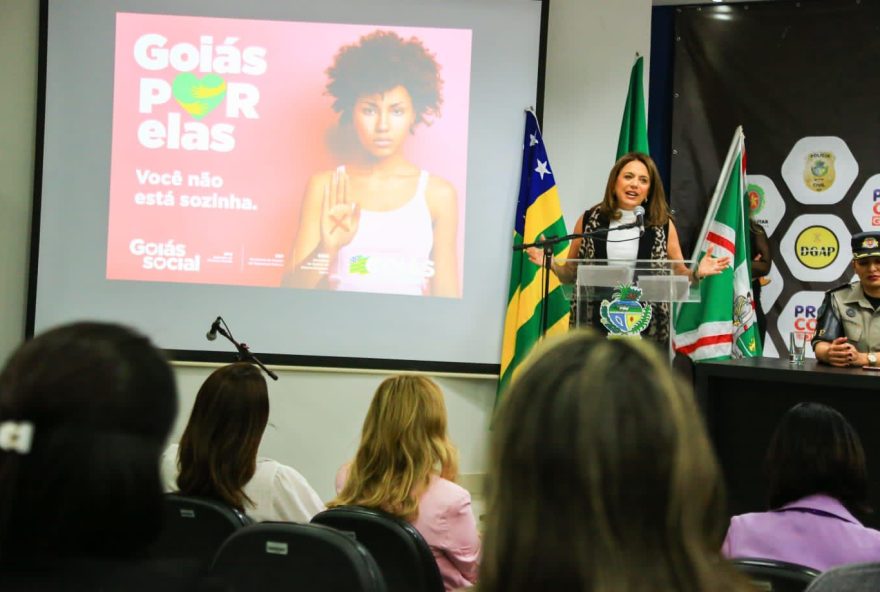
<point>816,531</point>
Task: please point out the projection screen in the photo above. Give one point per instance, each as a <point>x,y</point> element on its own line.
<point>337,179</point>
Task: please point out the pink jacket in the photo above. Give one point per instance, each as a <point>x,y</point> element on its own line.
<point>447,524</point>
<point>816,531</point>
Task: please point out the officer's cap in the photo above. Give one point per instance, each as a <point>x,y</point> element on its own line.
<point>866,244</point>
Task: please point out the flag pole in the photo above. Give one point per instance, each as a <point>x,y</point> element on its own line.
<point>546,262</point>
<point>719,192</point>
<point>531,110</point>
<point>726,170</point>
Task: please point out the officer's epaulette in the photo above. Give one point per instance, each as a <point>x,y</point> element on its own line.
<point>840,287</point>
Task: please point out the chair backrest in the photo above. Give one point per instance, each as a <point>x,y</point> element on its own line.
<point>857,577</point>
<point>400,551</point>
<point>776,576</point>
<point>291,556</point>
<point>194,528</point>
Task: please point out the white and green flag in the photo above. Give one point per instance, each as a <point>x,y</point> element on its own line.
<point>634,125</point>
<point>723,324</point>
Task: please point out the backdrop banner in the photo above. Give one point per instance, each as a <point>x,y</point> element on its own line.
<point>801,78</point>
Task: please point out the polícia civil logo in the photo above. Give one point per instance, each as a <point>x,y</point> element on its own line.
<point>819,171</point>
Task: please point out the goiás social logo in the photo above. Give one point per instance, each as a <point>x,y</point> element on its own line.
<point>164,256</point>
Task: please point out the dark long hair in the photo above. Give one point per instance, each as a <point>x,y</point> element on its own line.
<point>815,450</point>
<point>218,450</point>
<point>101,400</point>
<point>602,477</point>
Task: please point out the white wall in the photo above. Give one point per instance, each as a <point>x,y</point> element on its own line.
<point>316,416</point>
<point>18,92</point>
<point>590,53</point>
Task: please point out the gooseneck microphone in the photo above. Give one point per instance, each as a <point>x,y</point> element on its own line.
<point>639,211</point>
<point>244,352</point>
<point>212,334</point>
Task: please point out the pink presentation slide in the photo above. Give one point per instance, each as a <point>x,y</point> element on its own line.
<point>224,128</point>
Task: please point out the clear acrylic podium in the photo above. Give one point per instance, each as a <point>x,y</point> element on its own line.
<point>657,282</point>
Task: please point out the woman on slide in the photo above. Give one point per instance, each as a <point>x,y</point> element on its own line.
<point>379,223</point>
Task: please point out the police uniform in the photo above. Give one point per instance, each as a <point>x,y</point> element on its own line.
<point>845,311</point>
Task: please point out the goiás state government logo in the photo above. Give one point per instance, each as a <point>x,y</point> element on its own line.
<point>625,316</point>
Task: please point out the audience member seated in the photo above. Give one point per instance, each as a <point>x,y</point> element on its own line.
<point>602,477</point>
<point>85,410</point>
<point>217,455</point>
<point>818,481</point>
<point>407,466</point>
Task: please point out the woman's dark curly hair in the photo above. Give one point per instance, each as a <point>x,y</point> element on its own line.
<point>381,61</point>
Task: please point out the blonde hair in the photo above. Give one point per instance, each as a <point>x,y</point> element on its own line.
<point>403,443</point>
<point>603,477</point>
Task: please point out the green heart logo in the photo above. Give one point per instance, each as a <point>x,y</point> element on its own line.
<point>198,96</point>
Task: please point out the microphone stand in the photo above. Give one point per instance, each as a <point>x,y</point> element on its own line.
<point>547,245</point>
<point>244,353</point>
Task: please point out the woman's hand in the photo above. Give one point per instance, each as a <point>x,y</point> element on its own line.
<point>841,353</point>
<point>710,265</point>
<point>339,215</point>
<point>535,255</point>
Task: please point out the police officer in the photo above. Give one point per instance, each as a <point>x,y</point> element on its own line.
<point>848,327</point>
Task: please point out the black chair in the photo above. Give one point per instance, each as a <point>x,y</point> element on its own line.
<point>775,576</point>
<point>194,528</point>
<point>400,551</point>
<point>857,577</point>
<point>291,556</point>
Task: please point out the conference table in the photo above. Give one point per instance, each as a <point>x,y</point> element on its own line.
<point>742,401</point>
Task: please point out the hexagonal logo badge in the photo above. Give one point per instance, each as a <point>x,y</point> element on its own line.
<point>799,314</point>
<point>866,205</point>
<point>816,247</point>
<point>819,170</point>
<point>766,206</point>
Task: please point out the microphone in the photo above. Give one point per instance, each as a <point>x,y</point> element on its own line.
<point>640,218</point>
<point>212,334</point>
